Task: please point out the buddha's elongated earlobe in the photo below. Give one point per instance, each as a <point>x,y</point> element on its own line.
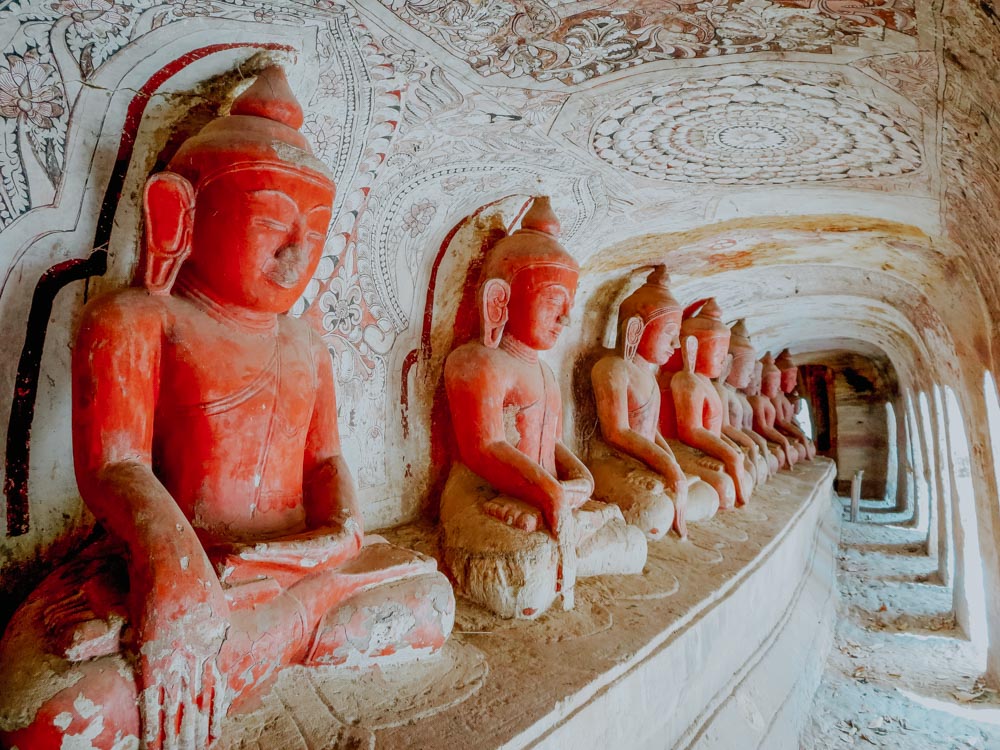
<point>631,336</point>
<point>690,353</point>
<point>168,209</point>
<point>494,297</point>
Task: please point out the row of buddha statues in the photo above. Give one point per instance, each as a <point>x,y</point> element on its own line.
<point>230,540</point>
<point>690,422</point>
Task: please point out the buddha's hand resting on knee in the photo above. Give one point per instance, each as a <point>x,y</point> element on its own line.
<point>571,495</point>
<point>680,489</point>
<point>183,695</point>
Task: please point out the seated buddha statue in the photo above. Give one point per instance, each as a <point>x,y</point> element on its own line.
<point>632,463</point>
<point>691,410</point>
<point>761,391</point>
<point>205,442</point>
<point>736,413</point>
<point>518,521</point>
<point>734,435</point>
<point>785,407</point>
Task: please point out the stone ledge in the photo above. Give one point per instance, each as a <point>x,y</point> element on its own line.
<point>719,644</point>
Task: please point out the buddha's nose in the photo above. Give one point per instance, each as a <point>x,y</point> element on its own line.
<point>564,319</point>
<point>289,252</point>
<point>290,256</point>
<point>287,265</point>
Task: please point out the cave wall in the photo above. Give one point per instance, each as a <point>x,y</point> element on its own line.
<point>828,172</point>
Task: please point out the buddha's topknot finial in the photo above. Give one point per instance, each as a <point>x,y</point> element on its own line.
<point>270,97</point>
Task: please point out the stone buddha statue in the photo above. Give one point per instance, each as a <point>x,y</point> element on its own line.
<point>737,414</point>
<point>517,516</point>
<point>763,388</point>
<point>691,410</point>
<point>733,434</point>
<point>785,409</point>
<point>206,444</point>
<point>632,464</point>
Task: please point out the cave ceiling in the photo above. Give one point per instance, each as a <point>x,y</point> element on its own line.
<point>678,115</point>
<point>652,99</point>
<point>571,42</point>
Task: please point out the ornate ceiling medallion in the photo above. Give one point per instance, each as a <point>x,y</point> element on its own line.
<point>752,130</point>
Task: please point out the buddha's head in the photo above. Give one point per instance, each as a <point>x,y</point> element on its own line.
<point>789,372</point>
<point>743,354</point>
<point>649,320</point>
<point>247,200</point>
<point>528,283</point>
<point>770,379</point>
<point>753,386</point>
<point>713,338</point>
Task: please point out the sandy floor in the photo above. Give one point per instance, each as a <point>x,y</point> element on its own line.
<point>900,675</point>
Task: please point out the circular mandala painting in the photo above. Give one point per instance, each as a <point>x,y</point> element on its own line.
<point>752,130</point>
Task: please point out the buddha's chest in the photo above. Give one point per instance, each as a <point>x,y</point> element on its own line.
<point>783,408</point>
<point>643,402</point>
<point>763,409</point>
<point>745,410</point>
<point>732,406</point>
<point>238,380</point>
<point>531,407</point>
<point>707,403</point>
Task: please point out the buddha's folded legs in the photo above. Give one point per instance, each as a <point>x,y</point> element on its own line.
<point>762,467</point>
<point>639,492</point>
<point>67,656</point>
<point>710,470</point>
<point>749,467</point>
<point>703,500</point>
<point>779,453</point>
<point>773,461</point>
<point>65,676</point>
<point>513,572</point>
<point>410,610</point>
<point>643,497</point>
<point>608,545</point>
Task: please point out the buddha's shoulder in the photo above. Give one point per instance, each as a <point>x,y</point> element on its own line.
<point>473,357</point>
<point>686,380</point>
<point>128,307</point>
<point>612,366</point>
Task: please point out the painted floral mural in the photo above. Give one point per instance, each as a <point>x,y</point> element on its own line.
<point>574,42</point>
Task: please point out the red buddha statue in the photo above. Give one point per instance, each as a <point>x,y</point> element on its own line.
<point>737,414</point>
<point>763,388</point>
<point>691,410</point>
<point>206,444</point>
<point>733,434</point>
<point>518,521</point>
<point>632,464</point>
<point>785,408</point>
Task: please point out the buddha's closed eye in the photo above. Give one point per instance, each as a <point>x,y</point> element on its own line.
<point>269,223</point>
